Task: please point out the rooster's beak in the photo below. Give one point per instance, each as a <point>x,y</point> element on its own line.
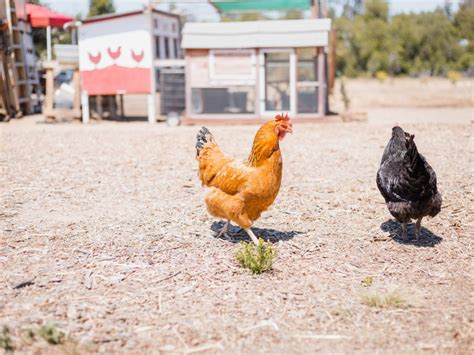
<point>289,129</point>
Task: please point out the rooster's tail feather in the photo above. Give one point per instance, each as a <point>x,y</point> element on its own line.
<point>203,136</point>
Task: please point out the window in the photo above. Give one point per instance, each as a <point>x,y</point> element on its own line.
<point>218,100</point>
<point>173,27</point>
<point>155,22</point>
<point>157,46</point>
<point>232,64</point>
<point>307,86</point>
<point>307,99</point>
<point>167,48</point>
<point>158,79</point>
<point>307,64</point>
<point>277,81</point>
<point>176,49</point>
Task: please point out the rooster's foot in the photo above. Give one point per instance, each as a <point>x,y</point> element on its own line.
<point>223,231</point>
<point>252,236</point>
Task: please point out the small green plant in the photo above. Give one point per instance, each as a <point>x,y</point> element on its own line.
<point>393,299</point>
<point>6,342</point>
<point>256,258</point>
<point>381,75</point>
<point>345,96</point>
<point>454,76</point>
<point>29,336</point>
<point>52,334</point>
<point>367,281</point>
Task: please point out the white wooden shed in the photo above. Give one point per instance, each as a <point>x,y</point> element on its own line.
<point>248,71</point>
<point>122,53</point>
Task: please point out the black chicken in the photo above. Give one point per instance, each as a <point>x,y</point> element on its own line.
<point>407,181</point>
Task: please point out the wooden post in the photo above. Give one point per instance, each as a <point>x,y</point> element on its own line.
<point>314,8</point>
<point>322,82</point>
<point>257,81</point>
<point>98,103</point>
<point>332,61</point>
<point>152,95</point>
<point>122,111</point>
<point>187,82</point>
<point>76,106</point>
<point>49,99</point>
<point>6,89</point>
<point>48,43</point>
<point>85,107</point>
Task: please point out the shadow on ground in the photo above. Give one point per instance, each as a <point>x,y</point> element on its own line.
<point>237,234</point>
<point>426,239</point>
<point>127,118</point>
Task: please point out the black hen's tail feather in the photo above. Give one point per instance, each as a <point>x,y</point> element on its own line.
<point>203,136</point>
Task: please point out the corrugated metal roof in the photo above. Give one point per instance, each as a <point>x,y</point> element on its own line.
<point>115,15</point>
<point>257,34</point>
<point>252,5</point>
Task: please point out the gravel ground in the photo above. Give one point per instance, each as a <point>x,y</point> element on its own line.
<point>107,224</point>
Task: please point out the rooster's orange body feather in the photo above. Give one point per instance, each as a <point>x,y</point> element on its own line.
<point>242,190</point>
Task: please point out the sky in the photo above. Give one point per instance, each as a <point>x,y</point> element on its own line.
<point>203,11</point>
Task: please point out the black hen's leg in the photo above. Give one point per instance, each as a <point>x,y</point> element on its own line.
<point>418,227</point>
<point>404,231</point>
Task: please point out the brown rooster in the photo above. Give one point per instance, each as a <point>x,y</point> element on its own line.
<point>242,190</point>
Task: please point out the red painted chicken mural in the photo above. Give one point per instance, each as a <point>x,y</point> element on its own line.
<point>115,56</point>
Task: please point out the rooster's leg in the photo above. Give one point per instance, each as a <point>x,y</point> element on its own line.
<point>418,227</point>
<point>252,236</point>
<point>223,231</point>
<point>404,231</point>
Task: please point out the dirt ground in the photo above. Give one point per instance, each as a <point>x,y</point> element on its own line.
<point>108,225</point>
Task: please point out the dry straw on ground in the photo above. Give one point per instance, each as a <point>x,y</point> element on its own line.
<point>104,234</point>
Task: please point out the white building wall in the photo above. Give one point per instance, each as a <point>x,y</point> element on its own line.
<point>129,33</point>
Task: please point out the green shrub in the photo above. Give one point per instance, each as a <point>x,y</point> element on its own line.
<point>367,281</point>
<point>393,299</point>
<point>454,76</point>
<point>52,334</point>
<point>381,75</point>
<point>5,339</point>
<point>345,96</point>
<point>256,258</point>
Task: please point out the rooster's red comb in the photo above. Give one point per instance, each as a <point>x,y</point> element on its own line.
<point>282,117</point>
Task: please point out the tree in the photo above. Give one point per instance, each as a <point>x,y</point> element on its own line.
<point>292,15</point>
<point>101,7</point>
<point>464,23</point>
<point>243,16</point>
<point>363,38</point>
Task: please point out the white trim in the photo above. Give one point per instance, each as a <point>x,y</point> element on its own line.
<point>293,82</point>
<point>48,44</point>
<point>257,34</point>
<point>233,79</point>
<point>292,64</point>
<point>169,63</point>
<point>307,84</point>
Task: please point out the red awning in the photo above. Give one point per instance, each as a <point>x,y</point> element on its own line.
<point>40,16</point>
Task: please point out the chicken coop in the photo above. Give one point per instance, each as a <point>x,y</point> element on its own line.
<point>124,53</point>
<point>245,72</point>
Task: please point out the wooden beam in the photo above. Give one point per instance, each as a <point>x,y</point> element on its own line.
<point>332,60</point>
<point>48,109</point>
<point>76,106</point>
<point>322,82</point>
